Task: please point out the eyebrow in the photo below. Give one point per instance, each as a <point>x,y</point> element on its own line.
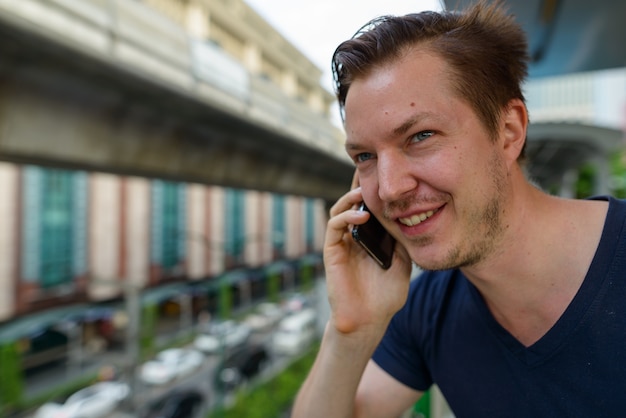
<point>352,147</point>
<point>406,125</point>
<point>402,129</point>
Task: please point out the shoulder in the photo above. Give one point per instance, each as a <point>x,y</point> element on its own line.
<point>615,218</point>
<point>432,293</point>
<point>615,206</point>
<point>435,301</point>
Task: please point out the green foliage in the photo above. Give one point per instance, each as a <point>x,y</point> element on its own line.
<point>273,398</point>
<point>11,383</point>
<point>225,300</point>
<point>617,171</point>
<point>422,407</point>
<point>148,330</point>
<point>585,183</point>
<point>306,272</point>
<point>57,392</point>
<point>618,174</point>
<point>273,287</point>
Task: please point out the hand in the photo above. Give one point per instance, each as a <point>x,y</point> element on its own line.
<point>362,295</point>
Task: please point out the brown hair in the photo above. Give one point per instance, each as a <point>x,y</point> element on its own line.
<point>484,46</point>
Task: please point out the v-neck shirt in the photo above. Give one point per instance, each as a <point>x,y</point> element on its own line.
<point>445,334</point>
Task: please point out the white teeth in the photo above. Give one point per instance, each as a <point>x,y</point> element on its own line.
<point>416,219</point>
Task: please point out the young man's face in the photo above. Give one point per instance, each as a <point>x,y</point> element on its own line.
<point>426,165</point>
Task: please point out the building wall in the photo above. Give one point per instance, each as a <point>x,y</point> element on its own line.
<point>137,233</point>
<point>8,243</point>
<point>105,233</point>
<point>241,32</point>
<point>197,219</point>
<point>112,234</point>
<point>215,233</point>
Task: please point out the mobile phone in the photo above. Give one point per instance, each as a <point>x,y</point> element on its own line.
<point>375,239</point>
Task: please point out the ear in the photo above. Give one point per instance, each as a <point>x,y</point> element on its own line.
<point>514,125</point>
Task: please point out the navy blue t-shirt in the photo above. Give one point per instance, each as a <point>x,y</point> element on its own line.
<point>445,334</point>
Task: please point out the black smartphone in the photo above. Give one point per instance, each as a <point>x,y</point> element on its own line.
<point>375,239</point>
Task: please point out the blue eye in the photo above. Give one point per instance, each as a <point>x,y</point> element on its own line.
<point>420,136</point>
<point>362,157</point>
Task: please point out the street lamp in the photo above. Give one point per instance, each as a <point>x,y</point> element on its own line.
<point>132,322</point>
<point>73,330</point>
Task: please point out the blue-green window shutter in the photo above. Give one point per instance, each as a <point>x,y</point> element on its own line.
<point>57,214</point>
<point>170,233</point>
<point>54,227</point>
<point>309,219</point>
<point>278,223</point>
<point>156,222</point>
<point>182,237</point>
<point>80,242</point>
<point>31,203</point>
<point>168,244</point>
<point>235,227</point>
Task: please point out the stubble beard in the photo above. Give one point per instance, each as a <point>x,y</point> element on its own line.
<point>483,228</point>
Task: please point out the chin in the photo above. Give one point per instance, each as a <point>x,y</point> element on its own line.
<point>437,260</point>
<point>430,266</point>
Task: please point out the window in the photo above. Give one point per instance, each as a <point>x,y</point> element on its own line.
<point>278,225</point>
<point>309,219</point>
<point>235,230</point>
<point>168,224</point>
<point>54,226</point>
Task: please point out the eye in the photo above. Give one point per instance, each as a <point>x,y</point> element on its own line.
<point>422,135</point>
<point>362,157</point>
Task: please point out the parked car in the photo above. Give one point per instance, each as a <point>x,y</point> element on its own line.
<point>45,346</point>
<point>297,302</point>
<point>95,401</point>
<point>227,333</point>
<point>266,316</point>
<point>170,364</point>
<point>241,365</point>
<point>295,332</point>
<point>181,403</point>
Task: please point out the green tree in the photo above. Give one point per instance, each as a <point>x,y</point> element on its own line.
<point>618,174</point>
<point>11,381</point>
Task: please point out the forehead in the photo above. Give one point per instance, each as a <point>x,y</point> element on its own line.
<point>415,85</point>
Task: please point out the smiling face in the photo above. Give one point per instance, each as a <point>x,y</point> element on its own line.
<point>427,167</point>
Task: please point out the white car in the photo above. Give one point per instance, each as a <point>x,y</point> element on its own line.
<point>227,334</point>
<point>295,332</point>
<point>170,364</point>
<point>95,401</point>
<point>266,316</point>
<point>297,302</point>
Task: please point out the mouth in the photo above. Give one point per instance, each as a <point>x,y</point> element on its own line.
<point>417,218</point>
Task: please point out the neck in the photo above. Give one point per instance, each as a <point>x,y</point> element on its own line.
<point>532,277</point>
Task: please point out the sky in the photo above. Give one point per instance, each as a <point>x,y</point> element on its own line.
<point>316,27</point>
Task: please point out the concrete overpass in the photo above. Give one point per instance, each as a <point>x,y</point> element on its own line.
<point>110,85</point>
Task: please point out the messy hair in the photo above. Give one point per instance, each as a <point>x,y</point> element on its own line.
<point>484,46</point>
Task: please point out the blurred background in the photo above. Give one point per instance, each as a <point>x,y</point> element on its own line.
<point>166,170</point>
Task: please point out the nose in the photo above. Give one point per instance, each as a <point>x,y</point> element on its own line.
<point>394,177</point>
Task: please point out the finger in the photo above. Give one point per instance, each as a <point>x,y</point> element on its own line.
<point>346,202</point>
<point>340,224</point>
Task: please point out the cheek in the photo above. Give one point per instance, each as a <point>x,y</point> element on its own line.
<point>445,170</point>
<point>369,189</point>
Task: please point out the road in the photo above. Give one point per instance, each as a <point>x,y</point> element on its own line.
<point>201,380</point>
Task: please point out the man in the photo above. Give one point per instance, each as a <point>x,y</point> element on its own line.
<point>521,311</point>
